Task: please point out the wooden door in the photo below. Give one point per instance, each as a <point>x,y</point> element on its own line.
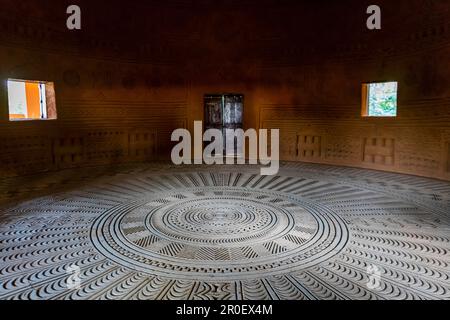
<point>222,112</point>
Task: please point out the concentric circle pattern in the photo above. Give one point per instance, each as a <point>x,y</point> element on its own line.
<point>219,233</point>
<point>163,232</point>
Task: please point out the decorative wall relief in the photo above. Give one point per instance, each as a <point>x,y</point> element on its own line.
<point>421,155</point>
<point>309,147</point>
<point>103,78</point>
<point>142,144</point>
<point>404,149</point>
<point>69,151</point>
<point>379,151</point>
<point>105,88</point>
<point>343,148</point>
<point>418,162</point>
<point>106,146</point>
<point>25,154</point>
<point>31,154</point>
<point>288,149</point>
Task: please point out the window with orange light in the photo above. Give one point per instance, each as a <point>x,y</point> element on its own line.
<point>31,100</point>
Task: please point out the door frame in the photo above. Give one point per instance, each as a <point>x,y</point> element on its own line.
<point>223,95</point>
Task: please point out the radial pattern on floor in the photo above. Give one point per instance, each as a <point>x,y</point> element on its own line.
<point>164,232</point>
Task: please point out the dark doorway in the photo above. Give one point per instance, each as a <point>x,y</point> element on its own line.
<point>222,112</point>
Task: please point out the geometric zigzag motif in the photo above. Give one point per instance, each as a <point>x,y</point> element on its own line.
<point>154,231</point>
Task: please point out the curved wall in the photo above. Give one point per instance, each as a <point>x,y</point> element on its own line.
<point>119,104</point>
<point>321,119</point>
<point>108,112</point>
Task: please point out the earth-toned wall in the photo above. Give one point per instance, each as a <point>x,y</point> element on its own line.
<point>124,83</point>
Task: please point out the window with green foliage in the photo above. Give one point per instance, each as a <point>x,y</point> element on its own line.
<point>380,99</point>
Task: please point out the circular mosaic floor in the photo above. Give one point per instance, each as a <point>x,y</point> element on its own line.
<point>163,232</point>
<point>219,233</point>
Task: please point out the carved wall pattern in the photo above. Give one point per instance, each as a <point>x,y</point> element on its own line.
<point>69,151</point>
<point>99,104</point>
<point>289,147</point>
<point>420,132</point>
<point>31,154</point>
<point>106,145</point>
<point>379,150</point>
<point>142,145</point>
<point>105,88</point>
<point>342,149</point>
<point>24,154</point>
<point>435,30</point>
<point>401,151</point>
<point>309,147</point>
<point>421,154</point>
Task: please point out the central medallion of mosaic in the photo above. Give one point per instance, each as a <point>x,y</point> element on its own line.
<point>219,233</point>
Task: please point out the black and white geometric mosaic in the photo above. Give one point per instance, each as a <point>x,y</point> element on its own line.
<point>163,232</point>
